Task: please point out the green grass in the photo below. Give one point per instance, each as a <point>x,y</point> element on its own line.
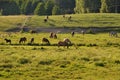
<point>78,20</point>
<point>25,62</point>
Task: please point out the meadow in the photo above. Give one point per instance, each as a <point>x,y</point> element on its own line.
<point>77,20</point>
<point>96,57</point>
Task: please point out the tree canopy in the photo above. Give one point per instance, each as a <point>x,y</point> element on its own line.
<point>27,7</point>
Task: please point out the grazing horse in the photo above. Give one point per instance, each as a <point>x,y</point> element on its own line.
<point>67,40</point>
<point>33,31</point>
<point>113,33</point>
<point>69,18</point>
<point>54,36</point>
<point>7,40</point>
<point>32,40</point>
<point>72,33</point>
<point>64,16</point>
<point>45,20</point>
<point>22,40</point>
<point>51,35</point>
<point>62,43</point>
<point>82,32</point>
<point>45,40</point>
<point>47,17</point>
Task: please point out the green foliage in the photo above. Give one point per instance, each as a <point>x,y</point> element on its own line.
<point>40,10</point>
<point>56,10</point>
<point>110,6</point>
<point>48,7</point>
<point>87,6</point>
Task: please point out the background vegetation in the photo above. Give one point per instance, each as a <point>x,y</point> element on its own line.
<point>77,20</point>
<point>28,7</point>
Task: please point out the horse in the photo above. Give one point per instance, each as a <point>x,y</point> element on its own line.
<point>82,32</point>
<point>33,31</point>
<point>69,18</point>
<point>64,16</point>
<point>67,40</point>
<point>45,40</point>
<point>72,33</point>
<point>51,35</point>
<point>45,20</point>
<point>7,40</point>
<point>32,40</point>
<point>62,43</point>
<point>47,17</point>
<point>54,36</point>
<point>22,40</point>
<point>113,33</point>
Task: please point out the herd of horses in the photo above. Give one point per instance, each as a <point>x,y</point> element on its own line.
<point>66,42</point>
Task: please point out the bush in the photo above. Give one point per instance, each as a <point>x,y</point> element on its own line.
<point>85,59</point>
<point>24,61</point>
<point>46,62</point>
<point>101,64</point>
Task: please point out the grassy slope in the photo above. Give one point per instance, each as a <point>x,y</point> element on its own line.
<point>78,20</point>
<point>34,63</point>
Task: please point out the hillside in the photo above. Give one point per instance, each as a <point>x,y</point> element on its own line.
<point>77,20</point>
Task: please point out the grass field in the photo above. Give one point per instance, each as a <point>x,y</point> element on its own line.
<point>77,20</point>
<point>33,62</point>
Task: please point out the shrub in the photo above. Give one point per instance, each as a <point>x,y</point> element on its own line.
<point>24,61</point>
<point>85,59</point>
<point>46,62</point>
<point>101,64</point>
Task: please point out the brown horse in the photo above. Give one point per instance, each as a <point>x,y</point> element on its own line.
<point>22,40</point>
<point>62,43</point>
<point>67,40</point>
<point>54,36</point>
<point>51,35</point>
<point>7,40</point>
<point>32,40</point>
<point>45,40</point>
<point>72,33</point>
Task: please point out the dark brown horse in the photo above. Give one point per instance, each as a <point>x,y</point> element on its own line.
<point>67,40</point>
<point>7,40</point>
<point>62,43</point>
<point>33,31</point>
<point>72,33</point>
<point>32,40</point>
<point>45,40</point>
<point>54,36</point>
<point>22,40</point>
<point>51,35</point>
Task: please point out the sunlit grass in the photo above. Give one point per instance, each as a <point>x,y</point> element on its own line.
<point>78,20</point>
<point>50,62</point>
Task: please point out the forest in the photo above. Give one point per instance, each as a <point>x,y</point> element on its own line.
<point>57,7</point>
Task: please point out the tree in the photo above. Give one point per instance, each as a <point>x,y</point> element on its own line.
<point>39,10</point>
<point>48,7</point>
<point>110,6</point>
<point>56,10</point>
<point>87,6</point>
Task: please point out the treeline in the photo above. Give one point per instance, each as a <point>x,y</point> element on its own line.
<point>97,6</point>
<point>55,7</point>
<point>38,7</point>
